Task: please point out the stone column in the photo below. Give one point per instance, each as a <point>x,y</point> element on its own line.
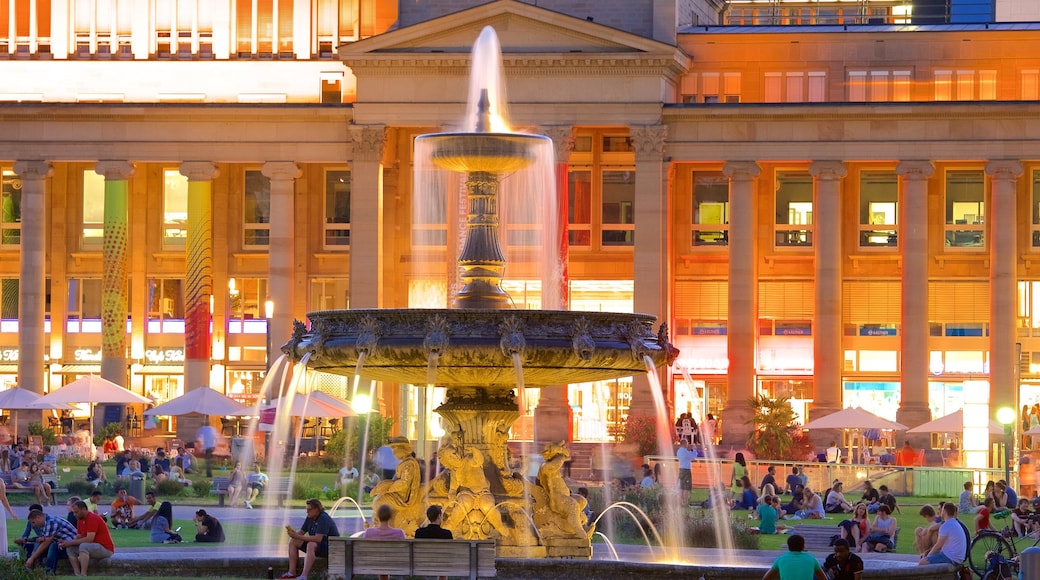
<point>114,255</point>
<point>913,334</point>
<point>32,274</point>
<point>198,288</point>
<point>281,253</point>
<point>553,417</point>
<point>366,217</point>
<point>1003,276</point>
<point>652,255</point>
<point>742,329</point>
<point>827,353</point>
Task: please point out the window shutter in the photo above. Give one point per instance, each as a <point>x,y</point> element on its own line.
<point>963,301</point>
<point>786,300</point>
<point>872,302</point>
<point>702,299</point>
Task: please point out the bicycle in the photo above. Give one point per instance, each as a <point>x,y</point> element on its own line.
<point>989,543</point>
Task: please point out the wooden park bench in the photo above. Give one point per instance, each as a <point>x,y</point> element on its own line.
<point>472,559</point>
<point>281,490</point>
<point>49,478</point>
<point>219,487</point>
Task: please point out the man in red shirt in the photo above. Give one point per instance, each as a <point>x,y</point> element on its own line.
<point>92,540</point>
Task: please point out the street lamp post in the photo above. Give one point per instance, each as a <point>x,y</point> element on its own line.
<point>269,314</point>
<point>1007,416</point>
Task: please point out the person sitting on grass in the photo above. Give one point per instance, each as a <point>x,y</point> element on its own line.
<point>925,536</point>
<point>161,532</point>
<point>881,533</point>
<point>123,508</point>
<point>813,509</point>
<point>982,516</point>
<point>208,529</point>
<point>968,504</point>
<point>836,502</point>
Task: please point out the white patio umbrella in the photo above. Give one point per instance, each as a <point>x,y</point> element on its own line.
<point>854,418</point>
<point>17,398</point>
<point>302,407</point>
<point>345,407</point>
<point>954,423</point>
<point>203,400</point>
<point>90,389</point>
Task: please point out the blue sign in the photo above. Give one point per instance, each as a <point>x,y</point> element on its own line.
<point>796,331</point>
<point>873,331</point>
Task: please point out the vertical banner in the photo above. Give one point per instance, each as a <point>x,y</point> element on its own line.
<point>114,261</point>
<point>199,282</point>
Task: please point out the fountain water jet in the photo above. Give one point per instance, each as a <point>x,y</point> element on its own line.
<point>477,345</point>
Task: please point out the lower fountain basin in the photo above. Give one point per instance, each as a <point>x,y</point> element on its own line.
<point>478,346</point>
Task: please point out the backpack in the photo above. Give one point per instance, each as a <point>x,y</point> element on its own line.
<point>997,568</point>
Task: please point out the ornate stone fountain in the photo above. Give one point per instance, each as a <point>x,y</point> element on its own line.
<point>476,346</point>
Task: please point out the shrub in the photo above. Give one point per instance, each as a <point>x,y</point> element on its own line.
<point>302,489</point>
<point>169,488</point>
<point>641,430</point>
<point>81,488</point>
<point>351,434</point>
<point>46,435</point>
<point>200,487</point>
<point>108,431</point>
<point>14,569</point>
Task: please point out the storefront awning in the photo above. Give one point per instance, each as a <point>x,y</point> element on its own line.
<point>79,370</point>
<point>160,370</point>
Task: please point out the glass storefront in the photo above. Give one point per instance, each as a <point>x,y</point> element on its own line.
<point>879,397</point>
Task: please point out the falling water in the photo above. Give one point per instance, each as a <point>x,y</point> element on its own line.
<point>521,389</point>
<point>610,545</point>
<point>357,373</point>
<point>675,505</point>
<point>716,495</point>
<point>643,523</point>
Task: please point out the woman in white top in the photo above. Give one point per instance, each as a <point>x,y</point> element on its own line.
<point>3,518</point>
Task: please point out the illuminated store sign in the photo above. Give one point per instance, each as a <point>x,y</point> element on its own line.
<point>169,355</point>
<point>86,355</point>
<point>8,354</point>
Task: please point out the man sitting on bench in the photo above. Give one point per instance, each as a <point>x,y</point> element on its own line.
<point>312,539</point>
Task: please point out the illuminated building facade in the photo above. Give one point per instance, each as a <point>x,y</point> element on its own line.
<point>843,213</point>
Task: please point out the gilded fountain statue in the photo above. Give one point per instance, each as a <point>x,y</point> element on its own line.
<point>484,349</point>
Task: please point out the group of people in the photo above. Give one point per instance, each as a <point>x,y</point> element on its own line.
<point>312,538</point>
<point>245,486</point>
<point>27,469</point>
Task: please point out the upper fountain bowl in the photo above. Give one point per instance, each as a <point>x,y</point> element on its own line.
<point>488,152</point>
<point>478,347</point>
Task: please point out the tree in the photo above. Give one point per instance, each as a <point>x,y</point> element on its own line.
<point>775,434</point>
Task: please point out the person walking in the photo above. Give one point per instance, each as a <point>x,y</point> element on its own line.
<point>206,438</point>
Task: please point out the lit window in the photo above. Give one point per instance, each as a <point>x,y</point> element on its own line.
<point>165,298</point>
<point>943,85</point>
<point>1030,85</point>
<point>619,199</point>
<point>257,207</point>
<point>987,85</point>
<point>329,294</point>
<point>857,86</point>
<point>579,208</point>
<point>93,209</point>
<point>10,209</point>
<point>901,83</point>
<point>965,209</point>
<point>710,209</point>
<point>1035,211</point>
<point>878,209</point>
<point>337,208</point>
<point>794,209</point>
<point>175,210</point>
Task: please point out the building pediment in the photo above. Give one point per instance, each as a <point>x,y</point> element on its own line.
<point>524,31</point>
